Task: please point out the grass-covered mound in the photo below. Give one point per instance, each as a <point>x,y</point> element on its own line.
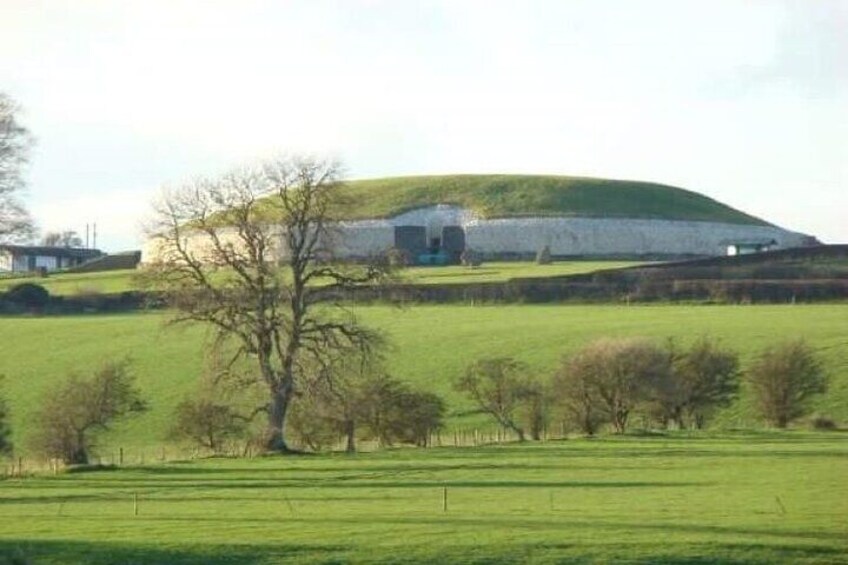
<point>497,196</point>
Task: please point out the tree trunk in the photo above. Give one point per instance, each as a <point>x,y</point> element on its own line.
<point>619,420</point>
<point>78,454</point>
<point>350,433</point>
<point>275,435</point>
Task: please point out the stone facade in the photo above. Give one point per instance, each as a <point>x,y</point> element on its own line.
<point>565,236</point>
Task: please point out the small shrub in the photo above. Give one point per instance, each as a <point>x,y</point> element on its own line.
<point>822,423</point>
<point>543,257</point>
<point>784,380</point>
<point>71,414</point>
<point>28,295</point>
<point>206,423</point>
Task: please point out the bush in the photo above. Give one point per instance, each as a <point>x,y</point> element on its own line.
<point>359,400</point>
<point>573,390</point>
<point>611,377</point>
<point>784,379</point>
<point>394,413</point>
<point>206,423</point>
<point>71,414</point>
<point>702,378</point>
<point>543,257</point>
<point>28,295</point>
<point>823,424</point>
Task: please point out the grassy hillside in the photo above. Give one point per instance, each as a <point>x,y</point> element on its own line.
<point>741,498</point>
<point>496,196</point>
<point>431,346</point>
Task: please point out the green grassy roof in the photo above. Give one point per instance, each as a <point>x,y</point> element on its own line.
<point>498,196</point>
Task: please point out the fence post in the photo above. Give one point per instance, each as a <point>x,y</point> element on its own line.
<point>135,504</point>
<point>445,499</point>
<point>121,456</point>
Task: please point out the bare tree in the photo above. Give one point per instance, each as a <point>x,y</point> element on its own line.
<point>221,243</point>
<point>71,414</point>
<point>702,378</point>
<point>784,379</point>
<point>500,388</point>
<point>573,389</point>
<point>15,140</point>
<point>51,239</point>
<point>336,401</point>
<point>355,398</point>
<point>67,238</point>
<point>620,373</point>
<point>206,422</point>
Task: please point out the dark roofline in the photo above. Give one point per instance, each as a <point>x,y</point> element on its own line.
<point>80,252</point>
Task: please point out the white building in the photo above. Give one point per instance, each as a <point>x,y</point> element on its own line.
<point>29,258</point>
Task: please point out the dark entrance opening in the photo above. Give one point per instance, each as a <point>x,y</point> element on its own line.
<point>411,239</point>
<point>453,242</point>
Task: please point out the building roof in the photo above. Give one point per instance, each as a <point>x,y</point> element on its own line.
<point>49,251</point>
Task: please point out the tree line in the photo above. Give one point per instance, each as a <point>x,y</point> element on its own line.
<point>600,386</point>
<point>609,380</point>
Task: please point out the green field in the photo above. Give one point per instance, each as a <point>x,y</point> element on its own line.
<point>109,282</point>
<point>736,498</point>
<point>496,196</point>
<point>430,346</point>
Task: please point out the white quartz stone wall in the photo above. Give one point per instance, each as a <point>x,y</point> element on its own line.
<point>607,236</point>
<point>564,236</point>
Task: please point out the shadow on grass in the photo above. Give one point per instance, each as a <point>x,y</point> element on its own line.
<point>62,552</point>
<point>71,552</point>
<point>542,522</point>
<point>358,482</point>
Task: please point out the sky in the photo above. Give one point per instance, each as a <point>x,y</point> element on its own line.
<point>745,101</point>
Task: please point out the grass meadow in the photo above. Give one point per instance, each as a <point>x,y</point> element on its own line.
<point>731,494</point>
<point>430,347</point>
<point>733,498</point>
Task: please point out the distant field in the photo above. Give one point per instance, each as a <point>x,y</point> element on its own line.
<point>734,498</point>
<point>69,284</point>
<point>431,346</point>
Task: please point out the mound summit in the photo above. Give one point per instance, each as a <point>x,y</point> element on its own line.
<point>505,196</point>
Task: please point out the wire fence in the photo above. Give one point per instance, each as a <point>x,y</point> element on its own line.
<point>23,466</point>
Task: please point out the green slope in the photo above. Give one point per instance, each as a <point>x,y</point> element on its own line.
<point>496,196</point>
<point>431,345</point>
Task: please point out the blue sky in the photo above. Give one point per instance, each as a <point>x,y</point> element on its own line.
<point>744,101</point>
